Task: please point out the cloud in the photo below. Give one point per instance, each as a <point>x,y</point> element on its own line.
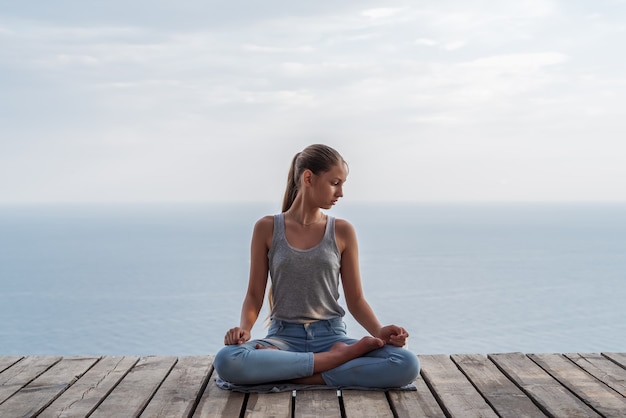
<point>517,63</point>
<point>278,50</point>
<point>380,13</point>
<point>68,60</point>
<point>425,42</point>
<point>451,46</point>
<point>163,107</point>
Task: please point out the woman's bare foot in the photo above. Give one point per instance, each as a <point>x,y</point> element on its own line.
<point>341,353</point>
<point>363,346</point>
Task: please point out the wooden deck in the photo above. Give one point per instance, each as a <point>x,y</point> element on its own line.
<point>505,385</point>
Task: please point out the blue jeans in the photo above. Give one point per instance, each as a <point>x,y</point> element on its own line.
<point>386,367</point>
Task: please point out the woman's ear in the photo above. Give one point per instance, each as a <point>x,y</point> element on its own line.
<point>307,177</point>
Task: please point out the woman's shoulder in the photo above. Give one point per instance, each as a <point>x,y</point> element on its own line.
<point>342,223</point>
<point>345,235</point>
<point>343,227</point>
<point>265,222</point>
<point>264,230</point>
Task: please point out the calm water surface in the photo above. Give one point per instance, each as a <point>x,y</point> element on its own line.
<point>170,279</point>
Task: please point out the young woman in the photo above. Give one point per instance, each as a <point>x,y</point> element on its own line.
<point>307,254</point>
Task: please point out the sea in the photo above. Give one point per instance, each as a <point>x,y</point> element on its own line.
<point>169,279</point>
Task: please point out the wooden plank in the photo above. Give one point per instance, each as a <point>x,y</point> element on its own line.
<point>133,393</point>
<point>8,361</point>
<point>593,392</point>
<point>274,405</point>
<point>502,394</point>
<point>177,395</point>
<point>39,393</point>
<point>74,386</point>
<point>317,404</point>
<point>82,398</point>
<point>602,369</point>
<point>618,358</point>
<point>455,394</point>
<point>370,404</point>
<point>22,373</point>
<point>216,402</point>
<point>420,403</point>
<point>553,398</point>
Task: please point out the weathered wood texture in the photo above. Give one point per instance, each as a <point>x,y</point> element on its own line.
<point>468,385</point>
<point>553,398</point>
<point>84,396</point>
<point>366,404</point>
<point>593,392</point>
<point>421,403</point>
<point>455,393</point>
<point>602,369</point>
<point>41,391</point>
<point>276,405</point>
<point>500,393</point>
<point>317,404</point>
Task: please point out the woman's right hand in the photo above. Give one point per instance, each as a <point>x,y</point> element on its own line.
<point>236,336</point>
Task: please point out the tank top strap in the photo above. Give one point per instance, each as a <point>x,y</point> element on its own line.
<point>279,227</point>
<point>329,233</point>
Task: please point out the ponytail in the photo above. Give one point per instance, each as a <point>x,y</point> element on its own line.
<point>292,185</point>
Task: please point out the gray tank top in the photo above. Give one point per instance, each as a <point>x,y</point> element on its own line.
<point>305,283</point>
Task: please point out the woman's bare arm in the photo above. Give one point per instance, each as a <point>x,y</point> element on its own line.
<point>253,301</point>
<point>353,289</point>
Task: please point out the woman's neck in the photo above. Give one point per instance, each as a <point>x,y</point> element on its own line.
<point>304,216</point>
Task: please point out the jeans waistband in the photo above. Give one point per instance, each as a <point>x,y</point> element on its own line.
<point>329,323</point>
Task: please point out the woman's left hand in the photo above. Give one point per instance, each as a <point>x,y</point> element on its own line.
<point>394,335</point>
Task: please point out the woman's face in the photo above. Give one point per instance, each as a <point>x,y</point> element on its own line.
<point>328,186</point>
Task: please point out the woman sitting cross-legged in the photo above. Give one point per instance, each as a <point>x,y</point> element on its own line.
<point>308,254</point>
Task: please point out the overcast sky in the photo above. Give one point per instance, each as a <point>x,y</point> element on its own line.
<point>163,100</point>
